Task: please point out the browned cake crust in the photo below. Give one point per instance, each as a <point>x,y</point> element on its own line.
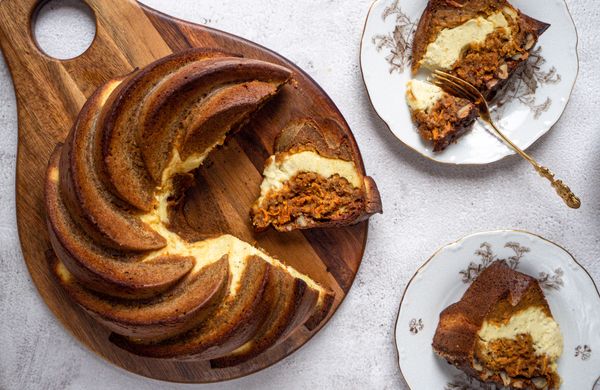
<point>286,301</point>
<point>308,192</point>
<point>229,325</point>
<point>137,138</point>
<point>325,137</point>
<point>104,179</point>
<point>490,65</point>
<point>495,295</point>
<point>101,269</point>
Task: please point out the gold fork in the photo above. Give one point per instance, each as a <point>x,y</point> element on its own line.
<point>461,88</point>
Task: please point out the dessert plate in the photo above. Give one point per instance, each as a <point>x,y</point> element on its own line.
<point>530,105</point>
<point>571,293</point>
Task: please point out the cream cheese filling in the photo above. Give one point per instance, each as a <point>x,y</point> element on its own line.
<point>448,46</point>
<point>422,96</point>
<point>544,331</point>
<point>210,250</point>
<point>175,167</point>
<point>279,170</point>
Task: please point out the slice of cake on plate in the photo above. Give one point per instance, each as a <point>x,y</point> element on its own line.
<point>502,331</point>
<point>481,41</point>
<point>313,181</point>
<point>440,117</point>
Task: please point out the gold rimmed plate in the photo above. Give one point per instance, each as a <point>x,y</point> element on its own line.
<point>529,106</point>
<point>571,293</point>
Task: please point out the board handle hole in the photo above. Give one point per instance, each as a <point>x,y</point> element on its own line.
<point>63,29</point>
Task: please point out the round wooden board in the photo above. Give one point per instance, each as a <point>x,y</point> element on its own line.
<point>50,93</point>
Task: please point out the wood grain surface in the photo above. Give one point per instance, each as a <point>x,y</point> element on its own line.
<point>50,93</point>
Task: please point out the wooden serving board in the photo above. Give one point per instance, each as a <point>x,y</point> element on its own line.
<point>50,93</point>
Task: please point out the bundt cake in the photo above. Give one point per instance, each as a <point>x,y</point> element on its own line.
<point>502,331</point>
<point>110,192</point>
<point>440,117</point>
<point>313,181</point>
<point>483,42</point>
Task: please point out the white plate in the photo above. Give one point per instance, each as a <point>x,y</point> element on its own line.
<point>443,279</point>
<point>525,115</point>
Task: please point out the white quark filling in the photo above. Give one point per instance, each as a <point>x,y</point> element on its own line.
<point>211,250</point>
<point>280,170</point>
<point>54,176</point>
<point>177,167</point>
<point>544,331</point>
<point>450,43</point>
<point>421,95</point>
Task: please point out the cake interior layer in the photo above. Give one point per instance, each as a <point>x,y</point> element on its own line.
<point>308,196</point>
<point>175,167</point>
<point>534,321</point>
<point>282,167</point>
<point>450,43</point>
<point>440,117</point>
<point>521,350</point>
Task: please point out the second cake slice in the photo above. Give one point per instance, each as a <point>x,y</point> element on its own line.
<point>312,181</point>
<point>502,332</point>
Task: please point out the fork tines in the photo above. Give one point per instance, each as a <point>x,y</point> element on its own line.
<point>456,86</point>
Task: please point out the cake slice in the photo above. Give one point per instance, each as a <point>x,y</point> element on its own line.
<point>313,181</point>
<point>502,331</point>
<point>481,41</point>
<point>440,117</point>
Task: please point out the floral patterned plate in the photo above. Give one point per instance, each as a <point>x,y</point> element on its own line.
<point>530,105</point>
<point>443,279</point>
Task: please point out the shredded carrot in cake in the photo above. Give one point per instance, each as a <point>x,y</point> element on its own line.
<point>481,64</point>
<point>517,359</point>
<point>310,196</point>
<point>444,121</point>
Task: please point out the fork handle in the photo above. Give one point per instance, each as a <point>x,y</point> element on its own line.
<point>561,188</point>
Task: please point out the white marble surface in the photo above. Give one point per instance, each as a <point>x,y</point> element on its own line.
<point>426,205</point>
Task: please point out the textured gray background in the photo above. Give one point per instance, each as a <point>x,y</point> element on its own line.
<point>426,204</point>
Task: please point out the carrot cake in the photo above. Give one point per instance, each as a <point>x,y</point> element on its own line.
<point>481,41</point>
<point>502,331</point>
<point>110,192</point>
<point>484,42</point>
<point>312,181</point>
